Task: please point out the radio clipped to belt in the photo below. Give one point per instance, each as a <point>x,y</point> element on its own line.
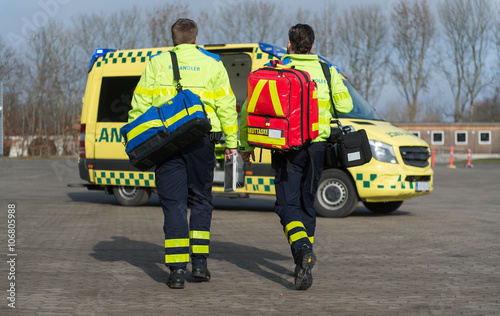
<point>346,147</point>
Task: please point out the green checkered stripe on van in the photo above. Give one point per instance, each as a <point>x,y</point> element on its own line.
<point>128,178</point>
<point>367,181</point>
<point>260,184</point>
<point>259,54</point>
<point>126,57</point>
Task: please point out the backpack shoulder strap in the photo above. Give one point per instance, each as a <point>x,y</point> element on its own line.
<point>275,62</point>
<point>328,77</point>
<point>175,68</point>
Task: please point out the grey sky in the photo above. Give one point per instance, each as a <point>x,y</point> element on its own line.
<point>19,18</point>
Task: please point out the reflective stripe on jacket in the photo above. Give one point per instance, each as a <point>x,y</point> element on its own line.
<point>341,96</point>
<point>201,72</point>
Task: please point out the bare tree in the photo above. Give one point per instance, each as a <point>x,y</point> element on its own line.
<point>120,30</point>
<point>489,109</point>
<point>325,28</point>
<point>44,84</point>
<point>264,26</point>
<point>322,23</point>
<point>466,30</point>
<point>87,31</point>
<point>239,21</point>
<point>496,39</point>
<point>54,86</point>
<point>392,112</point>
<point>8,67</point>
<point>7,54</point>
<point>125,28</point>
<point>413,32</point>
<point>362,35</point>
<point>159,22</point>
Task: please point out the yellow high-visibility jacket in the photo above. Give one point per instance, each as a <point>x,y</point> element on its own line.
<point>341,97</point>
<point>201,72</point>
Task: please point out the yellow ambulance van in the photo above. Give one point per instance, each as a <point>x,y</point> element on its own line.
<point>400,168</point>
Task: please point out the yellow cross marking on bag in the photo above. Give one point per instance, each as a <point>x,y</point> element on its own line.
<point>255,95</point>
<point>276,99</point>
<point>273,90</point>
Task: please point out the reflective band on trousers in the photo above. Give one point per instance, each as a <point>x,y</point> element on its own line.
<point>173,243</point>
<point>293,225</point>
<point>199,234</point>
<point>199,249</point>
<point>177,258</point>
<point>297,236</point>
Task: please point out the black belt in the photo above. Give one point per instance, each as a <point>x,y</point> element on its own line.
<point>215,136</point>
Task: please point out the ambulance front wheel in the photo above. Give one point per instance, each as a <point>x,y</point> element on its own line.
<point>131,196</point>
<point>336,196</point>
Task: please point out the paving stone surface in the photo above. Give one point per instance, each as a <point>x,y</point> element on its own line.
<point>80,253</point>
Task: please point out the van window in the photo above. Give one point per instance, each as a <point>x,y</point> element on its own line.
<point>361,109</point>
<point>115,98</point>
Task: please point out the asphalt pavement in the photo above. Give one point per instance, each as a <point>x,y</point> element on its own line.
<point>71,251</point>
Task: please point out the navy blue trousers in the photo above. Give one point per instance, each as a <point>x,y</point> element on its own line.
<point>185,180</point>
<point>297,176</point>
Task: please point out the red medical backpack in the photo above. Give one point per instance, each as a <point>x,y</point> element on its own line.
<point>282,108</point>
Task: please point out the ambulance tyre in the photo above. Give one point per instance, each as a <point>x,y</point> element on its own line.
<point>383,207</point>
<point>131,196</point>
<point>336,195</point>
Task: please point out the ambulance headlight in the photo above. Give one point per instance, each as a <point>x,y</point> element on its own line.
<point>383,152</point>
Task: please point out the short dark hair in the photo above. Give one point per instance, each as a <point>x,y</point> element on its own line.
<point>184,31</point>
<point>301,38</point>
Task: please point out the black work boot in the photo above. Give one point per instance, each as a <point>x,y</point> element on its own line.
<point>304,264</point>
<point>200,271</point>
<point>176,279</point>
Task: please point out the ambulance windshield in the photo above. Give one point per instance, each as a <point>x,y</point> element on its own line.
<point>361,109</point>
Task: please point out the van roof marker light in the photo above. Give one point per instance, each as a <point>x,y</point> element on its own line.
<point>97,54</point>
<point>273,50</point>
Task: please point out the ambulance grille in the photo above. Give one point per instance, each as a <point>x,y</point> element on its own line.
<point>415,156</point>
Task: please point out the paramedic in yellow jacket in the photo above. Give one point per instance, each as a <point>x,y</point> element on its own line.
<point>299,171</point>
<point>185,179</point>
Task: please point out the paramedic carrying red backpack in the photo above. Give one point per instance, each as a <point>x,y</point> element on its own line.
<point>282,108</point>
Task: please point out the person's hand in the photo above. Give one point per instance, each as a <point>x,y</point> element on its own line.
<point>229,151</point>
<point>246,157</point>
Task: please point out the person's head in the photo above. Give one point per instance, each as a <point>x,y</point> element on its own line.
<point>300,39</point>
<point>184,31</point>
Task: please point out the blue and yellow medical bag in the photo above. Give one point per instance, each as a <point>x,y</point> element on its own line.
<point>162,131</point>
